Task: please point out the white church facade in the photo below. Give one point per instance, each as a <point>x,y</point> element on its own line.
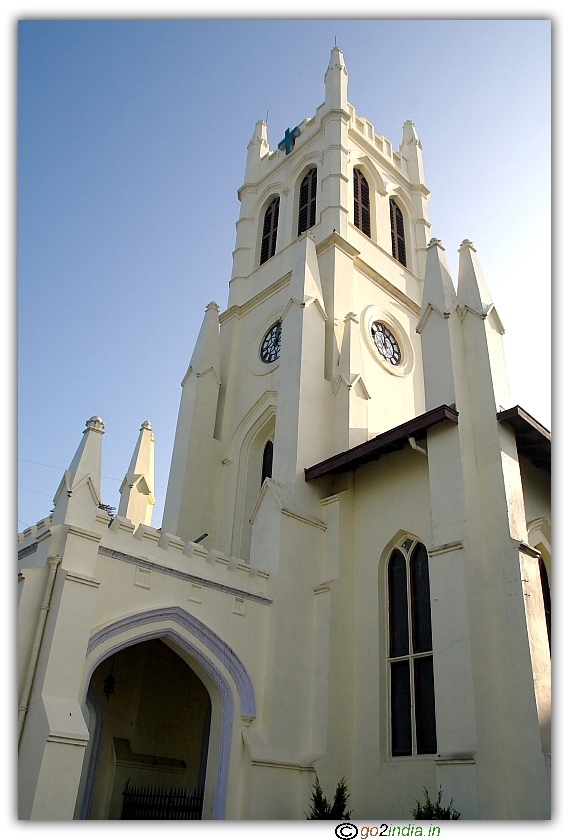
<point>352,573</point>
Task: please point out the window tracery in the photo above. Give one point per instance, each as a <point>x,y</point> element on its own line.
<point>412,693</point>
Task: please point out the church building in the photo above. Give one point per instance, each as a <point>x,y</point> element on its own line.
<point>352,577</point>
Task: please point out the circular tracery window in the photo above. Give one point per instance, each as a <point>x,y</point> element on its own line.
<point>271,345</point>
<point>386,343</point>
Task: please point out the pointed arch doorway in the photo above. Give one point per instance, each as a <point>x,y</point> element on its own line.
<point>149,719</point>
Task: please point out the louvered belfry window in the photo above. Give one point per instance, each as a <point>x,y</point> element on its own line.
<point>361,202</point>
<point>307,201</point>
<point>269,236</point>
<point>398,239</point>
<point>412,694</point>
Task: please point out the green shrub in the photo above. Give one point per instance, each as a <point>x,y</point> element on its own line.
<point>434,810</point>
<point>320,808</point>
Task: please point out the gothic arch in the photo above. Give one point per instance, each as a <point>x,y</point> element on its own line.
<point>249,451</point>
<point>299,174</point>
<point>258,214</point>
<point>372,174</point>
<point>375,185</point>
<point>383,634</point>
<point>408,214</point>
<point>187,630</point>
<point>539,535</point>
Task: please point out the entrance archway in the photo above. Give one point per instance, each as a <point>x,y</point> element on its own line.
<point>210,657</point>
<point>152,730</point>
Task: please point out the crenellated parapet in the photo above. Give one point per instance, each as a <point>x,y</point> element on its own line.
<point>155,550</point>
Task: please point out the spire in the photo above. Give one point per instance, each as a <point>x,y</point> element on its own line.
<point>305,284</point>
<point>336,82</point>
<point>257,148</point>
<point>303,392</point>
<point>188,509</point>
<point>411,150</point>
<point>472,288</point>
<point>482,325</point>
<point>441,336</point>
<point>137,489</point>
<point>79,493</point>
<point>438,285</point>
<point>206,355</point>
<point>349,390</point>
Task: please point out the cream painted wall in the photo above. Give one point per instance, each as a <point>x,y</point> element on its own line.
<point>283,618</point>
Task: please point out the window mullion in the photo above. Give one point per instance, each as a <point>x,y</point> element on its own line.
<point>411,654</point>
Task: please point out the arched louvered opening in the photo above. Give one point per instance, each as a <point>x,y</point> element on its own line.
<point>545,594</point>
<point>307,202</point>
<point>361,202</point>
<point>398,238</point>
<point>267,461</point>
<point>412,693</point>
<point>269,235</point>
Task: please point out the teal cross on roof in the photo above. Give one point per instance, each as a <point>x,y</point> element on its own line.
<point>288,142</point>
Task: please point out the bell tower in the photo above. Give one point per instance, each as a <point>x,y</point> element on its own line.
<point>328,269</point>
<point>351,555</point>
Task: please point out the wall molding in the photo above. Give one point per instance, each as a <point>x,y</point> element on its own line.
<point>167,570</point>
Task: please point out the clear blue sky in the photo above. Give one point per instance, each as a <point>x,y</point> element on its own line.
<point>131,147</point>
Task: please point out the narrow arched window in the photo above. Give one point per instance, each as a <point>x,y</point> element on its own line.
<point>269,235</point>
<point>398,238</point>
<point>361,202</point>
<point>307,202</point>
<point>412,694</point>
<point>545,594</point>
<point>267,461</point>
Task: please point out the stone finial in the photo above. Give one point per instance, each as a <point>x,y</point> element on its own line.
<point>206,355</point>
<point>411,150</point>
<point>257,148</point>
<point>137,488</point>
<point>94,424</point>
<point>472,289</point>
<point>439,292</point>
<point>336,81</point>
<point>410,135</point>
<point>79,493</point>
<point>259,135</point>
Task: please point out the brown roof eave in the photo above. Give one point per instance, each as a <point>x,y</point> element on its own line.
<point>382,444</point>
<point>533,440</point>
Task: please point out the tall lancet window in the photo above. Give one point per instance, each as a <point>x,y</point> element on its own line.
<point>361,202</point>
<point>307,202</point>
<point>267,461</point>
<point>545,594</point>
<point>412,695</point>
<point>398,238</point>
<point>269,235</point>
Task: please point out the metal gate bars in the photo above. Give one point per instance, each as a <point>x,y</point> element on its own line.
<point>146,803</point>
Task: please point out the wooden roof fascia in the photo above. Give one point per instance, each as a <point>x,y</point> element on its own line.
<point>382,444</point>
<point>533,439</point>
